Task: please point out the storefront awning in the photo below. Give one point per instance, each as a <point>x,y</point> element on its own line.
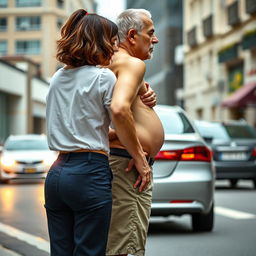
<point>246,95</point>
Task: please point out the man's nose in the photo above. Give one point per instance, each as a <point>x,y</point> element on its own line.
<point>155,40</point>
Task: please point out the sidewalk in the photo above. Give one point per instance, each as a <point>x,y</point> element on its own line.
<point>6,252</point>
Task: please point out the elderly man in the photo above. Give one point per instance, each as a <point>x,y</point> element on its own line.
<point>139,128</point>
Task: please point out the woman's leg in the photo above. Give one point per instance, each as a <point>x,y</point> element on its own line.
<point>86,189</point>
<point>59,216</point>
<point>91,230</point>
<point>60,226</point>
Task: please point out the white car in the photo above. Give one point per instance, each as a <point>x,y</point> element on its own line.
<point>25,156</point>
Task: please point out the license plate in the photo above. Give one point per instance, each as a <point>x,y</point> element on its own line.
<point>30,170</point>
<point>233,156</point>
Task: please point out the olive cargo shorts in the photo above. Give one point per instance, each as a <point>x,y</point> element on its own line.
<point>130,211</point>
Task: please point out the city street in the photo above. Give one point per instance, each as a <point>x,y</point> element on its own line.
<point>23,224</point>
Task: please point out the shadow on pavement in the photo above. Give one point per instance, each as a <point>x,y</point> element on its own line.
<point>170,226</point>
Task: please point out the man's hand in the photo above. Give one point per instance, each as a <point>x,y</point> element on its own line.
<point>143,179</point>
<point>149,98</point>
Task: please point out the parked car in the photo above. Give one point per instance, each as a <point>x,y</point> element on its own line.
<point>183,172</point>
<point>25,156</point>
<point>234,149</point>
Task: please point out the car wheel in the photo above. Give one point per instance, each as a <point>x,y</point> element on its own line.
<point>254,183</point>
<point>4,181</point>
<point>203,222</point>
<point>233,182</point>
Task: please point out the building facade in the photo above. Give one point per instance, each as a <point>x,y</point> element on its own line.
<point>220,59</point>
<point>31,28</point>
<point>22,99</point>
<point>28,34</point>
<point>165,70</point>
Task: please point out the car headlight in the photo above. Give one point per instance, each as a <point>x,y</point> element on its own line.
<point>49,161</point>
<point>7,161</point>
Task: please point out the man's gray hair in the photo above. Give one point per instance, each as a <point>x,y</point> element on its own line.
<point>131,19</point>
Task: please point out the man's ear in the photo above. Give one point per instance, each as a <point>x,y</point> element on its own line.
<point>131,35</point>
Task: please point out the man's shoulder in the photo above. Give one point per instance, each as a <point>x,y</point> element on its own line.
<point>127,62</point>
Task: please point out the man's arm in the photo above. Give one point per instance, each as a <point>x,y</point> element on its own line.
<point>126,89</point>
<point>112,134</point>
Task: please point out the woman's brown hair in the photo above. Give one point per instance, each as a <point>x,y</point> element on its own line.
<point>85,39</point>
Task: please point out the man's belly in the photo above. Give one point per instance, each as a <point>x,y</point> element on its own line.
<point>149,129</point>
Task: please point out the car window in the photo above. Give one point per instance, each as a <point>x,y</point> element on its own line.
<point>175,123</point>
<point>212,130</point>
<point>26,144</point>
<point>240,131</point>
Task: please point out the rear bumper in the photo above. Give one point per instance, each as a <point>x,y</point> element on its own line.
<point>185,184</point>
<point>8,176</point>
<point>166,209</point>
<point>235,170</point>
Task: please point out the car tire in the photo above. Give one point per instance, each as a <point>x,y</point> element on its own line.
<point>233,182</point>
<point>4,181</point>
<point>254,183</point>
<point>203,222</point>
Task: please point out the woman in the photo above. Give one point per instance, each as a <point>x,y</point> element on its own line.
<point>78,186</point>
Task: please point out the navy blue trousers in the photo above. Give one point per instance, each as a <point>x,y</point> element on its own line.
<point>78,204</point>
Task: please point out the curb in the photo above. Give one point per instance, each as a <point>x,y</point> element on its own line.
<point>6,252</point>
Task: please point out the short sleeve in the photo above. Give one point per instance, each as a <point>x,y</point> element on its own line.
<point>107,83</point>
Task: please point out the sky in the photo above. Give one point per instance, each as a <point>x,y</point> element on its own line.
<point>110,8</point>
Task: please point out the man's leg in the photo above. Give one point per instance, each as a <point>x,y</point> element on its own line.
<point>130,212</point>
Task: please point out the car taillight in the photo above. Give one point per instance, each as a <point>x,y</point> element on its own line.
<point>197,153</point>
<point>168,155</point>
<point>181,201</point>
<point>254,152</point>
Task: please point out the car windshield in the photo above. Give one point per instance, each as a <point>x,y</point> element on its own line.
<point>26,144</point>
<point>212,130</point>
<point>240,131</point>
<point>175,123</point>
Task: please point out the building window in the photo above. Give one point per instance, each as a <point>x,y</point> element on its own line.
<point>3,24</point>
<point>213,112</point>
<point>28,23</point>
<point>199,113</point>
<point>28,3</point>
<point>60,3</point>
<point>235,77</point>
<point>59,23</point>
<point>3,3</point>
<point>28,47</point>
<point>3,48</point>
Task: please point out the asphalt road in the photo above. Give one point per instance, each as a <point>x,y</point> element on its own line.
<point>23,226</point>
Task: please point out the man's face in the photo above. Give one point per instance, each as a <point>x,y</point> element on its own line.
<point>146,40</point>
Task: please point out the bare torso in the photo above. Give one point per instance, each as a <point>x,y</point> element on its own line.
<point>148,125</point>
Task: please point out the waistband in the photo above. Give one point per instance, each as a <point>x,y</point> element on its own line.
<point>85,150</point>
<point>124,153</point>
<point>85,155</point>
